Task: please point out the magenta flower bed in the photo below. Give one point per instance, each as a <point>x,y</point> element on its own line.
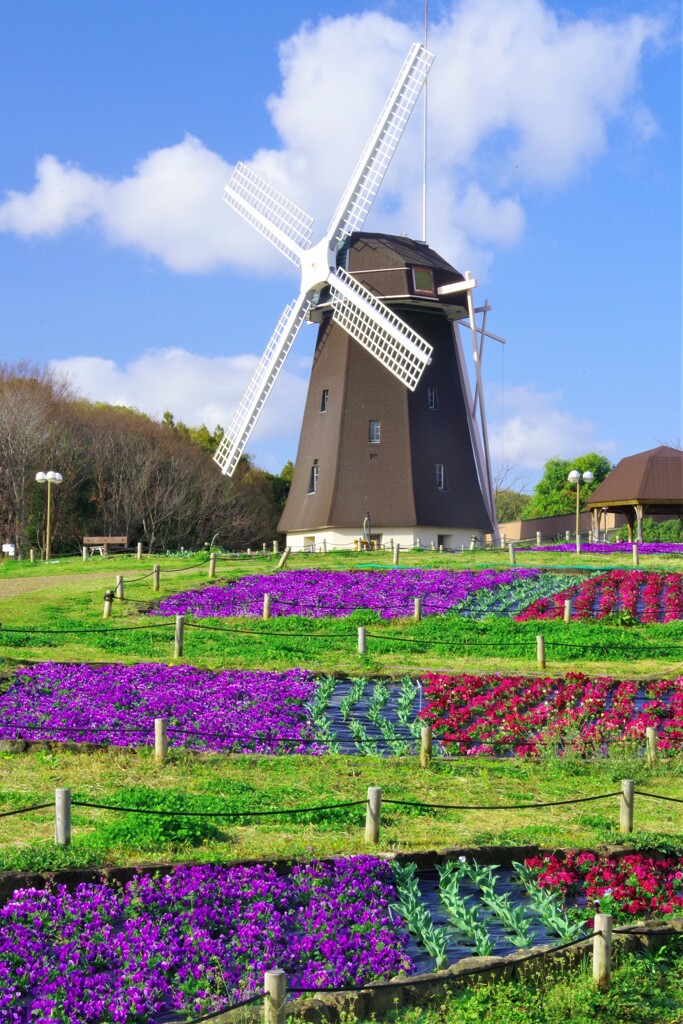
<point>518,714</point>
<point>623,547</point>
<point>318,593</point>
<point>194,941</point>
<point>648,596</point>
<point>634,885</point>
<point>260,712</point>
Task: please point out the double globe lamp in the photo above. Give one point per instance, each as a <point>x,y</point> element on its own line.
<point>49,478</point>
<point>575,477</point>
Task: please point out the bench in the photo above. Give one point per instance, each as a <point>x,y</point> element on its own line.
<point>103,544</point>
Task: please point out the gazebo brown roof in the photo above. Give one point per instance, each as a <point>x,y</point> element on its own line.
<point>649,483</point>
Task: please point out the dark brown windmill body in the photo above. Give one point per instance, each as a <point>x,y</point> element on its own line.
<point>371,448</point>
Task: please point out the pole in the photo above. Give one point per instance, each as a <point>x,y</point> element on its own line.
<point>511,549</point>
<point>212,565</point>
<point>266,607</point>
<point>362,641</point>
<point>602,950</point>
<point>138,553</point>
<point>160,738</point>
<point>285,555</point>
<point>540,651</point>
<point>651,745</point>
<point>425,746</point>
<point>108,601</point>
<point>626,806</point>
<point>62,817</point>
<point>275,988</point>
<point>156,576</point>
<point>397,553</point>
<point>568,610</point>
<point>119,587</point>
<point>417,613</point>
<point>372,814</point>
<point>635,553</point>
<point>179,631</point>
<point>49,503</point>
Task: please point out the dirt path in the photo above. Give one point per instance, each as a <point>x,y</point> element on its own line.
<point>18,586</point>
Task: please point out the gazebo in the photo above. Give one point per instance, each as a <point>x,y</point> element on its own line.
<point>650,483</point>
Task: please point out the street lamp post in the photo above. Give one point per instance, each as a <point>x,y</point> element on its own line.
<point>48,478</point>
<point>575,477</point>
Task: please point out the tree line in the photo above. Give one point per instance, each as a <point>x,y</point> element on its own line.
<point>124,474</point>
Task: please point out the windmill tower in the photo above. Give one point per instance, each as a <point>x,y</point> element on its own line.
<point>393,440</point>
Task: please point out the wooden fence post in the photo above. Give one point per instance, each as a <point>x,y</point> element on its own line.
<point>425,746</point>
<point>212,565</point>
<point>156,576</point>
<point>160,738</point>
<point>635,554</point>
<point>417,609</point>
<point>568,609</point>
<point>108,602</point>
<point>602,951</point>
<point>266,606</point>
<point>324,545</point>
<point>626,806</point>
<point>538,538</point>
<point>540,651</point>
<point>567,535</point>
<point>372,814</point>
<point>397,553</point>
<point>32,556</point>
<point>138,553</point>
<point>179,632</point>
<point>62,817</point>
<point>511,549</point>
<point>275,988</point>
<point>362,640</point>
<point>119,587</point>
<point>276,548</point>
<point>651,746</point>
<point>285,555</point>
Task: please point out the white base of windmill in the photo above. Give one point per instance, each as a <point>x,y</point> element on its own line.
<point>385,538</point>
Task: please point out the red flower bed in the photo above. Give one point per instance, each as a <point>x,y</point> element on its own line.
<point>648,596</point>
<point>634,885</point>
<point>519,714</point>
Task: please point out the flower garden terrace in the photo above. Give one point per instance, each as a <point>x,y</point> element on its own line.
<point>295,712</point>
<point>528,593</point>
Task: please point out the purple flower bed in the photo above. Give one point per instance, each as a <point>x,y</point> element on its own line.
<point>611,549</point>
<point>318,593</point>
<point>194,941</point>
<point>261,712</point>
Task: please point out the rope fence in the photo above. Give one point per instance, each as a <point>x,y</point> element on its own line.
<point>373,804</point>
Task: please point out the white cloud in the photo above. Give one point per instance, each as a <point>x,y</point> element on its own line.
<point>537,427</point>
<point>196,389</point>
<point>518,97</point>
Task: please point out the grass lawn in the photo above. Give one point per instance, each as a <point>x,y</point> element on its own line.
<point>60,618</point>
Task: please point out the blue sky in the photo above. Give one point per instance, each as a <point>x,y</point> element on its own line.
<point>554,177</point>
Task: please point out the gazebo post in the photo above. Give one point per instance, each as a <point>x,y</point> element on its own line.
<point>639,520</point>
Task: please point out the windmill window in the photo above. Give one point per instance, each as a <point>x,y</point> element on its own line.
<point>432,398</point>
<point>324,400</point>
<point>440,477</point>
<point>313,479</point>
<point>374,431</point>
<point>423,281</point>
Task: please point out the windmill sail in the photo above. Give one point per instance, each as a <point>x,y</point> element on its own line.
<point>367,177</point>
<point>266,373</point>
<point>372,324</point>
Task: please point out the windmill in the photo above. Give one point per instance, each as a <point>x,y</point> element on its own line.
<point>369,352</point>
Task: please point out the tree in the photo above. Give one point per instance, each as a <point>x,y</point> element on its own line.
<point>510,505</point>
<point>553,494</point>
